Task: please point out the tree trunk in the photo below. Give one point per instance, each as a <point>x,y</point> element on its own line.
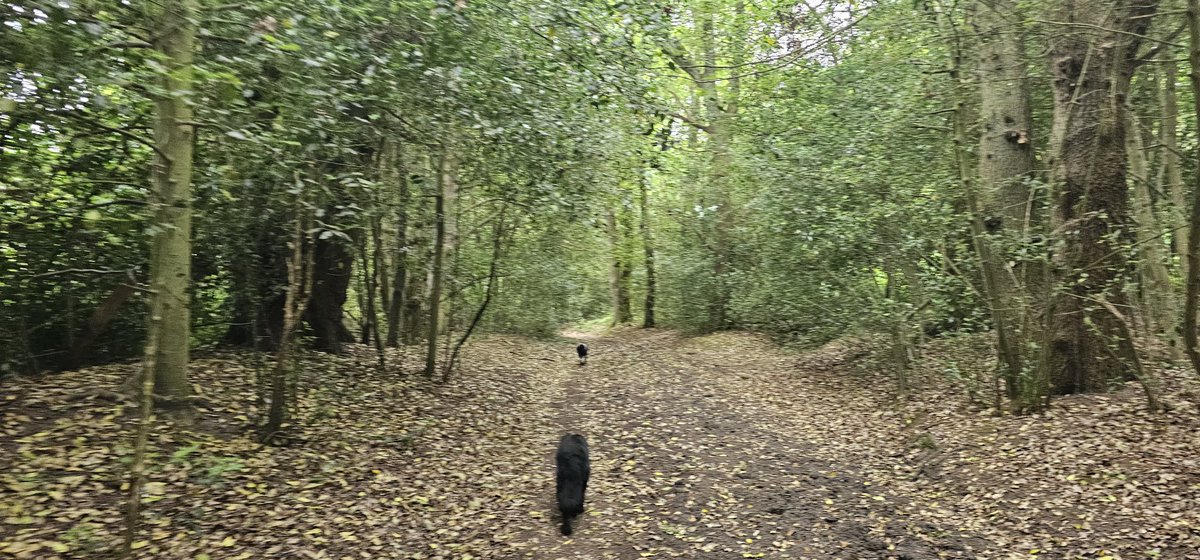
<point>137,469</point>
<point>1193,262</point>
<point>618,272</point>
<point>377,273</point>
<point>259,265</point>
<point>450,247</point>
<point>399,176</point>
<point>332,266</point>
<point>488,294</point>
<point>300,267</point>
<point>171,184</point>
<point>364,291</point>
<point>719,123</point>
<point>98,323</point>
<point>445,183</point>
<point>1006,164</point>
<point>1172,177</point>
<point>1157,293</point>
<point>1092,65</point>
<point>648,321</point>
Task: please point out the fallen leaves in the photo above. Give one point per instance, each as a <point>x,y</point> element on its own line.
<point>719,446</point>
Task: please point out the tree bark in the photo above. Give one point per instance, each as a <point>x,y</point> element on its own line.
<point>488,294</point>
<point>1158,296</point>
<point>1092,64</point>
<point>648,320</point>
<point>300,267</point>
<point>619,272</point>
<point>399,176</point>
<point>1172,177</point>
<point>364,290</point>
<point>445,183</point>
<point>719,123</point>
<point>137,469</point>
<point>377,273</point>
<point>1193,262</point>
<point>171,183</point>
<point>98,323</point>
<point>1006,163</point>
<point>333,262</point>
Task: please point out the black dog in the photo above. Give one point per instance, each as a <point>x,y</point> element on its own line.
<point>582,351</point>
<point>571,477</point>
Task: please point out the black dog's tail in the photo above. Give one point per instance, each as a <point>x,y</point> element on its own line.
<point>566,526</point>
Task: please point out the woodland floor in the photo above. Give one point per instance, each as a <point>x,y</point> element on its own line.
<point>716,447</point>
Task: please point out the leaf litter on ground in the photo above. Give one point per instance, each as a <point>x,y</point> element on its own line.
<point>721,446</point>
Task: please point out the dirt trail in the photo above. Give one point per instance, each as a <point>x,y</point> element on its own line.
<point>687,465</point>
<point>695,455</point>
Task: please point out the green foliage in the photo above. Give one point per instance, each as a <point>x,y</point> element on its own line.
<point>794,163</point>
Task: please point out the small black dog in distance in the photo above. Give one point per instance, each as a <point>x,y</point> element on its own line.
<point>582,351</point>
<point>571,477</point>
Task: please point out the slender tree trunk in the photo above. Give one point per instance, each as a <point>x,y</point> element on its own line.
<point>366,299</point>
<point>300,267</point>
<point>445,184</point>
<point>450,247</point>
<point>399,176</point>
<point>489,292</point>
<point>137,469</point>
<point>648,321</point>
<point>1158,295</point>
<point>901,341</point>
<point>377,274</point>
<point>98,323</point>
<point>1092,65</point>
<point>412,311</point>
<point>1172,177</point>
<point>171,182</point>
<point>1193,263</point>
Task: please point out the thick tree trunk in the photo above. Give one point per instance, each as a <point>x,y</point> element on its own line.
<point>965,175</point>
<point>1006,163</point>
<point>171,198</point>
<point>619,272</point>
<point>1092,65</point>
<point>720,121</point>
<point>333,262</point>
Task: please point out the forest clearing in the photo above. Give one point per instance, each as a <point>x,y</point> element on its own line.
<point>698,452</point>
<point>850,279</point>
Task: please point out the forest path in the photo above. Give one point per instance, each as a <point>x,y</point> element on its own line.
<point>691,459</point>
<point>715,447</point>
